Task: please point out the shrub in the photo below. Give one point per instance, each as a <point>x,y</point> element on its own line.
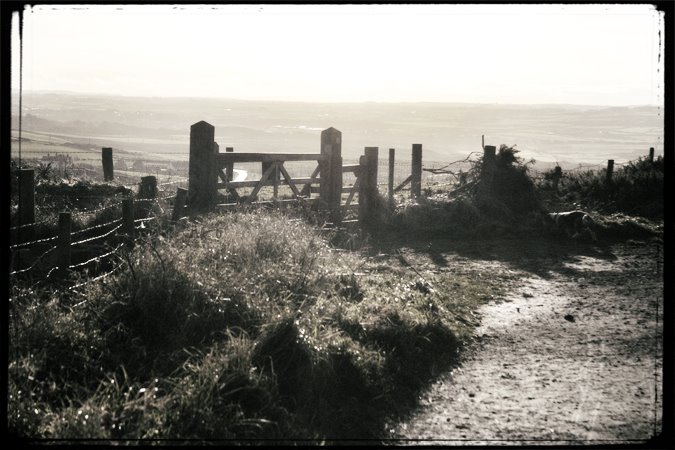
<point>635,188</point>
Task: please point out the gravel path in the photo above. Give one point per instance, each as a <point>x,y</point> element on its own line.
<point>572,355</point>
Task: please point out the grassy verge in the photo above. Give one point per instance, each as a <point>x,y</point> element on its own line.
<point>242,326</point>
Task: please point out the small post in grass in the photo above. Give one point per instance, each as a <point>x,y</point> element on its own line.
<point>488,168</point>
<point>416,181</point>
<point>64,241</point>
<point>610,169</point>
<point>128,217</point>
<point>26,204</point>
<point>179,204</point>
<point>147,192</point>
<point>148,187</point>
<point>651,154</point>
<point>557,175</point>
<point>107,157</point>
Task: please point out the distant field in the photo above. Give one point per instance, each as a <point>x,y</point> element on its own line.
<point>158,128</point>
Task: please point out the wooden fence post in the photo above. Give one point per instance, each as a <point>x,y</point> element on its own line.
<point>229,167</point>
<point>107,157</point>
<point>26,204</point>
<point>148,187</point>
<point>331,171</point>
<point>368,187</point>
<point>128,216</point>
<point>416,180</point>
<point>203,175</point>
<point>557,175</point>
<point>610,169</point>
<point>651,154</point>
<point>488,167</point>
<point>179,204</point>
<point>147,191</point>
<point>64,241</point>
<point>390,186</point>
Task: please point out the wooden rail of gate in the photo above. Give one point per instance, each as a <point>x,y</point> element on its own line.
<point>273,170</point>
<point>211,170</point>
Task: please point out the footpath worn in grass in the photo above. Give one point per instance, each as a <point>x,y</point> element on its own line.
<point>240,326</point>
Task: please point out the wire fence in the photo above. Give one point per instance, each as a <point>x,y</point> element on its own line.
<point>23,250</point>
<point>432,171</point>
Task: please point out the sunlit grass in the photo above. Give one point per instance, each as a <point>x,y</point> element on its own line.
<point>239,326</point>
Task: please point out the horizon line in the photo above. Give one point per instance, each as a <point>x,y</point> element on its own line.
<point>14,92</point>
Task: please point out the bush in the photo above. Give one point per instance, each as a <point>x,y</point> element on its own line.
<point>636,188</point>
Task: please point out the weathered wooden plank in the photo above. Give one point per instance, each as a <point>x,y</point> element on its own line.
<point>291,201</point>
<point>351,168</point>
<point>224,158</point>
<point>254,183</point>
<point>402,185</point>
<point>222,176</point>
<point>264,178</point>
<point>354,189</point>
<point>307,189</point>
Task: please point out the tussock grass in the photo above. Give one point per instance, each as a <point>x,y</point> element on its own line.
<point>239,326</point>
<point>636,188</point>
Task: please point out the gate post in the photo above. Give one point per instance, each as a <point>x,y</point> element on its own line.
<point>202,184</point>
<point>331,171</point>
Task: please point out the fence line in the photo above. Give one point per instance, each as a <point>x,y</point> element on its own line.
<point>91,280</point>
<point>370,165</point>
<point>95,227</point>
<point>96,258</point>
<point>26,244</point>
<point>37,260</point>
<point>95,238</point>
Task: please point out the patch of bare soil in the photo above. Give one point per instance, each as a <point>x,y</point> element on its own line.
<point>573,353</point>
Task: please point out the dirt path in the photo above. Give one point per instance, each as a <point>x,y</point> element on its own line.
<point>573,355</point>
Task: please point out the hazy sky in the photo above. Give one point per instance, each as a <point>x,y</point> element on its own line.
<point>575,54</point>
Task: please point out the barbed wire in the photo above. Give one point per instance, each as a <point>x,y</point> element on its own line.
<point>92,211</point>
<point>38,241</point>
<point>95,227</point>
<point>37,260</point>
<point>17,227</point>
<point>83,241</point>
<point>97,258</point>
<point>91,280</point>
